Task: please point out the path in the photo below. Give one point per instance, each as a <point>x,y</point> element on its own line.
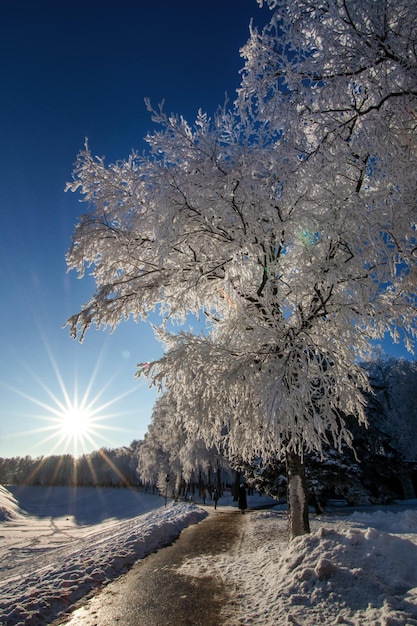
<point>154,593</point>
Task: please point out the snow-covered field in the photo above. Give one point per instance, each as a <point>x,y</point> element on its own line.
<point>58,544</point>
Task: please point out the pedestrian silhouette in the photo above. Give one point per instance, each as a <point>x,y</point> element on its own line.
<point>242,499</point>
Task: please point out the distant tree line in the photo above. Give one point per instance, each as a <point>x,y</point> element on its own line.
<point>105,468</point>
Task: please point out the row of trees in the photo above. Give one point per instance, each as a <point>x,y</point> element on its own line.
<point>105,467</point>
<point>382,466</point>
<point>287,221</point>
<point>169,449</point>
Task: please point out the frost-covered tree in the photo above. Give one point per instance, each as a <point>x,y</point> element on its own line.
<point>170,448</point>
<point>159,453</point>
<point>283,221</point>
<point>345,73</point>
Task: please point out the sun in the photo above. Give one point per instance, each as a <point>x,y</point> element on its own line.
<point>75,426</point>
<point>76,422</point>
<point>75,416</point>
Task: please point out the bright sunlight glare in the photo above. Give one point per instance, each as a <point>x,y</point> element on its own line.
<point>75,422</point>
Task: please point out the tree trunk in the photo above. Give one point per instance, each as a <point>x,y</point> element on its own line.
<point>219,479</point>
<point>409,492</point>
<point>236,486</point>
<point>297,497</point>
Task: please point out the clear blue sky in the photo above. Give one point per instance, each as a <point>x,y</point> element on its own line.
<point>71,70</point>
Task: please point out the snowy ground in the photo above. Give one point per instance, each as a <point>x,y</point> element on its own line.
<point>359,570</point>
<point>58,544</point>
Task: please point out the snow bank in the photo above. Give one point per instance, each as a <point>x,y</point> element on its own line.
<point>389,521</point>
<point>339,574</point>
<point>9,508</point>
<point>48,563</point>
<point>349,576</point>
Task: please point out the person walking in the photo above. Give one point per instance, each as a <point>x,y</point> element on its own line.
<point>243,504</point>
<point>215,497</point>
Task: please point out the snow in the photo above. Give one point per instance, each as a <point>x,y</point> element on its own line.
<point>345,572</point>
<point>58,544</point>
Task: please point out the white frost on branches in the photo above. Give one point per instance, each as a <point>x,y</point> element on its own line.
<point>288,223</point>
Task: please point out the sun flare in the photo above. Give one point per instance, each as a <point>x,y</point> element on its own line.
<point>75,418</point>
<point>75,422</point>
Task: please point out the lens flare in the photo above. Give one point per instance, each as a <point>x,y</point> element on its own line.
<point>75,423</point>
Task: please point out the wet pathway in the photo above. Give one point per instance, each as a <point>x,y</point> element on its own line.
<point>154,593</point>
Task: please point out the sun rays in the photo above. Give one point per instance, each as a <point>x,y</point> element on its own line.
<point>75,414</point>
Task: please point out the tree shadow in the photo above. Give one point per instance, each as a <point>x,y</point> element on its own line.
<point>86,505</point>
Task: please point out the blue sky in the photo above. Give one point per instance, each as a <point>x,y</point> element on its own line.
<point>72,70</point>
